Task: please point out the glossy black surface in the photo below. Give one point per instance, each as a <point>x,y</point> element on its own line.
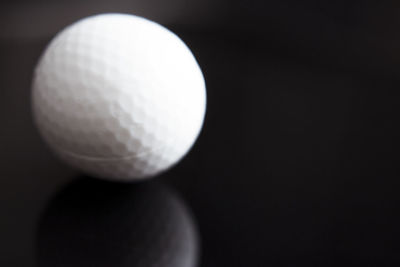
<point>297,164</point>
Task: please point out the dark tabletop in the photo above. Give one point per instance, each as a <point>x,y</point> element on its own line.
<point>297,163</point>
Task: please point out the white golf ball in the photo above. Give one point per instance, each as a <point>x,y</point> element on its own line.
<point>118,97</point>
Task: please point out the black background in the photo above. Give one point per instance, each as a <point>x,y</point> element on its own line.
<point>297,161</point>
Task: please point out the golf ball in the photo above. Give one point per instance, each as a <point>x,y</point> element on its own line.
<point>118,97</point>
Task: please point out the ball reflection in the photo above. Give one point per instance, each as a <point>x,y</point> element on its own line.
<point>99,223</point>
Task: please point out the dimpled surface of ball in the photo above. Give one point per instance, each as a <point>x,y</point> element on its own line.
<point>118,97</point>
